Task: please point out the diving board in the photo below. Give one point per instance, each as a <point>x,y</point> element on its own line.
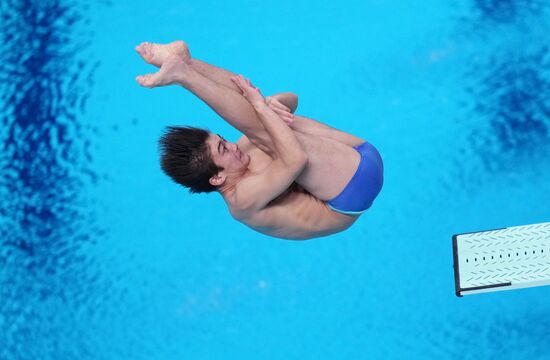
<point>502,259</point>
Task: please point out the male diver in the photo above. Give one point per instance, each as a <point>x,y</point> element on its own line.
<point>288,176</point>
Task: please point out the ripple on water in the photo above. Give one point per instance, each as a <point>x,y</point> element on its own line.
<point>46,279</point>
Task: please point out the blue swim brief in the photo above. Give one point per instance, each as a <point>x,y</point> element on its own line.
<point>365,184</point>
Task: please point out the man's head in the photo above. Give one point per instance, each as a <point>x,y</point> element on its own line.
<point>198,159</point>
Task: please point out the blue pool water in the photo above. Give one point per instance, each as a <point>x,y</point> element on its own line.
<point>103,257</point>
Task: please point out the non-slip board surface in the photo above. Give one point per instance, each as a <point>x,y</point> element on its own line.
<point>502,259</point>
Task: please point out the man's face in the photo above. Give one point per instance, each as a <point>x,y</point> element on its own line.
<point>226,154</point>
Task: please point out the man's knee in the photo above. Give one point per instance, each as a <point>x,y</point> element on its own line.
<point>288,99</point>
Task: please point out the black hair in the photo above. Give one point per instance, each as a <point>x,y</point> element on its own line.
<point>186,158</point>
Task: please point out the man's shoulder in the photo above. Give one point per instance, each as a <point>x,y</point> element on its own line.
<point>242,209</point>
<point>235,204</point>
<point>241,205</point>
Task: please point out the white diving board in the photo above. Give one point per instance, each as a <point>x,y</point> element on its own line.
<point>502,259</point>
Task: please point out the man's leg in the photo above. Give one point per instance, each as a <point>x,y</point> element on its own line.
<point>222,97</point>
<point>301,124</point>
<point>315,128</point>
<point>223,77</point>
<point>331,164</point>
<point>217,74</point>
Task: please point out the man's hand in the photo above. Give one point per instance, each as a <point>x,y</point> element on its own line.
<point>280,109</point>
<point>249,91</point>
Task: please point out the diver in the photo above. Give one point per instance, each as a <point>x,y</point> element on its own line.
<point>288,176</point>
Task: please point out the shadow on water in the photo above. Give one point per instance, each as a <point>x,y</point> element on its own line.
<point>45,274</point>
<point>500,335</point>
<point>506,11</point>
<point>508,83</point>
<point>512,97</point>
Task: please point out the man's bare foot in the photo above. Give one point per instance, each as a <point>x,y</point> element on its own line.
<point>174,70</point>
<point>155,54</point>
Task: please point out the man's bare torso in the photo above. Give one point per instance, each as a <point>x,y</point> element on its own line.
<point>295,214</point>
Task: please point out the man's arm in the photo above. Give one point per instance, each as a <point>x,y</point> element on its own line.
<point>284,143</point>
<point>256,191</point>
<point>229,104</point>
